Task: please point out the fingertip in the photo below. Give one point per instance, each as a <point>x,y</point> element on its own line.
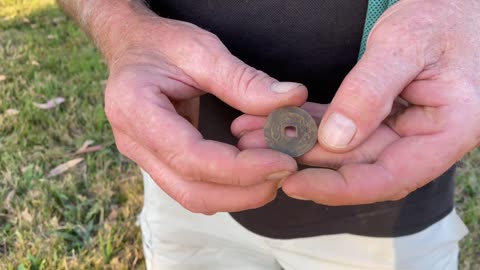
<point>253,139</point>
<point>318,185</point>
<point>337,132</point>
<point>265,162</point>
<point>285,87</point>
<point>281,94</point>
<point>245,123</point>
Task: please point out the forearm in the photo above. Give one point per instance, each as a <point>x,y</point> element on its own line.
<point>109,23</point>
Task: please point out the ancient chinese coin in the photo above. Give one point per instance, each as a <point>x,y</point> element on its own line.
<point>290,130</point>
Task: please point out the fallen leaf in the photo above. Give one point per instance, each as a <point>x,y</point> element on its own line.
<point>11,112</point>
<point>50,104</point>
<point>89,149</point>
<point>64,167</point>
<point>54,222</point>
<point>58,19</point>
<point>86,148</point>
<point>113,213</point>
<point>85,144</point>
<point>3,78</point>
<point>35,63</point>
<point>8,200</point>
<point>26,215</point>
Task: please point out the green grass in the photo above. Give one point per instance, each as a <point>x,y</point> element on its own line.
<point>85,218</point>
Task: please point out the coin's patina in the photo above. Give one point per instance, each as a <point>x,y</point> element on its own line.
<point>290,130</point>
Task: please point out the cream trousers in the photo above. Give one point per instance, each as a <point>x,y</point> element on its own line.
<point>174,238</point>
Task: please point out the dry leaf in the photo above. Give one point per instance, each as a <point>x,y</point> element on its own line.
<point>64,167</point>
<point>3,77</point>
<point>50,104</point>
<point>54,222</point>
<point>86,148</point>
<point>58,19</point>
<point>90,149</point>
<point>86,144</point>
<point>26,215</point>
<point>8,200</point>
<point>35,63</point>
<point>11,112</point>
<point>113,213</point>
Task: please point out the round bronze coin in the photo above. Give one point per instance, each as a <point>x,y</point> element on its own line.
<point>290,130</point>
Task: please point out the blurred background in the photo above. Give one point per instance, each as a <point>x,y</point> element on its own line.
<point>68,199</point>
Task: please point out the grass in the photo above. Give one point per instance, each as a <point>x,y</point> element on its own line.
<point>85,218</point>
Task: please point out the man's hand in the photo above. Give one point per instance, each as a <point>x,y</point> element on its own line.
<point>427,53</point>
<point>249,130</point>
<point>155,64</point>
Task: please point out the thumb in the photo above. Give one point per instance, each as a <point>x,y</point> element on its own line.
<point>366,95</point>
<point>243,87</point>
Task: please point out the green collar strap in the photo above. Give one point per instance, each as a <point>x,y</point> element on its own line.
<point>374,11</point>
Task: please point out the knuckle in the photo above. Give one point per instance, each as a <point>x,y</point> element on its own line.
<point>244,78</point>
<point>122,147</point>
<point>112,113</point>
<point>363,155</point>
<point>201,46</point>
<point>177,160</point>
<point>263,198</point>
<point>118,101</point>
<point>404,191</point>
<point>367,90</point>
<point>400,195</point>
<point>126,147</point>
<point>192,203</point>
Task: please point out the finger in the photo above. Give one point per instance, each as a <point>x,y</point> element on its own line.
<point>433,93</point>
<point>175,142</point>
<point>316,110</point>
<point>215,70</point>
<point>367,152</point>
<point>395,174</point>
<point>252,139</point>
<point>201,197</point>
<point>245,123</point>
<point>420,120</point>
<point>366,95</point>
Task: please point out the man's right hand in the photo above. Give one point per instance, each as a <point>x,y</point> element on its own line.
<point>161,62</point>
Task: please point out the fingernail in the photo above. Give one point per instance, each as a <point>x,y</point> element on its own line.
<point>298,198</point>
<point>278,176</point>
<point>280,183</point>
<point>283,87</point>
<point>338,131</point>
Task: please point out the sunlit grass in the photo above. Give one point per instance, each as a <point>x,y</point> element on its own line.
<point>19,8</point>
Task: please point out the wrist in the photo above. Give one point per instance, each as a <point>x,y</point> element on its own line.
<point>114,25</point>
